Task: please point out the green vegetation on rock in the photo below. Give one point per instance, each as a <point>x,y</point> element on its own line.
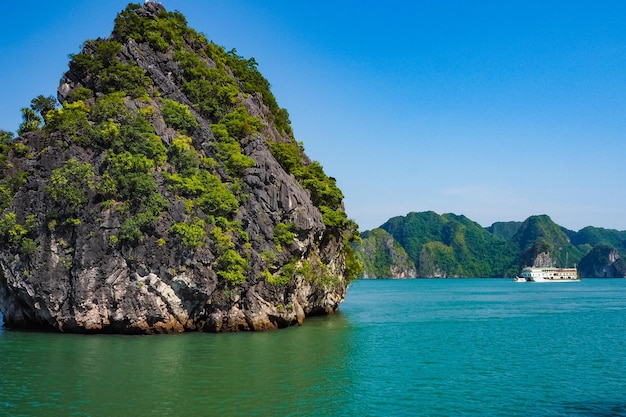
<point>383,257</point>
<point>191,233</point>
<point>178,116</point>
<point>69,184</point>
<point>152,190</point>
<point>324,191</point>
<point>11,179</point>
<point>106,72</point>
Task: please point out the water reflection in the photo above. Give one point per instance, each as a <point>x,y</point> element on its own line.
<point>290,372</point>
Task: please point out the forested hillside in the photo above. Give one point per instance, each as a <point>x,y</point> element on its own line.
<point>450,245</point>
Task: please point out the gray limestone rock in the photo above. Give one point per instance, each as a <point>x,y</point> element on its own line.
<point>70,272</point>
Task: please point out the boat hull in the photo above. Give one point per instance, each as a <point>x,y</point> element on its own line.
<point>556,280</point>
<point>548,274</point>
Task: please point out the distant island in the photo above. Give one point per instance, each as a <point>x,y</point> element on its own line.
<point>429,245</point>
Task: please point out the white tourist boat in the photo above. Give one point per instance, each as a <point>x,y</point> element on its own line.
<point>548,274</point>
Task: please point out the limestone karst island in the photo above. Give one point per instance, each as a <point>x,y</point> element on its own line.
<point>165,192</point>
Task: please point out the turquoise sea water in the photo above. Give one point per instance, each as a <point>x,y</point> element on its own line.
<point>472,347</point>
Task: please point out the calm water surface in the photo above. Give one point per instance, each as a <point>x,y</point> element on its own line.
<point>421,347</point>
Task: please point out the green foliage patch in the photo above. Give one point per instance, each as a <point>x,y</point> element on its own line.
<point>30,121</point>
<point>191,233</point>
<point>283,235</point>
<point>234,127</point>
<point>212,96</point>
<point>69,185</point>
<point>129,178</point>
<point>111,107</point>
<point>168,28</point>
<point>231,266</point>
<point>183,156</point>
<point>138,138</point>
<point>178,116</point>
<point>14,233</point>
<point>106,72</point>
<point>246,70</point>
<point>354,267</point>
<point>10,179</point>
<point>285,275</point>
<point>72,119</point>
<point>209,193</point>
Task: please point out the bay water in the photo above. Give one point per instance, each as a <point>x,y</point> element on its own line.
<point>454,347</point>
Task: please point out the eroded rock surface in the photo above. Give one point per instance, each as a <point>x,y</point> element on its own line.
<point>130,214</point>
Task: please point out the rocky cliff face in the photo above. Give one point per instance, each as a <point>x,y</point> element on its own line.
<point>602,262</point>
<point>167,194</point>
<point>383,257</point>
<point>543,259</point>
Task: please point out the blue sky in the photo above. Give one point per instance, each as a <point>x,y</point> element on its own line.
<point>497,110</point>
